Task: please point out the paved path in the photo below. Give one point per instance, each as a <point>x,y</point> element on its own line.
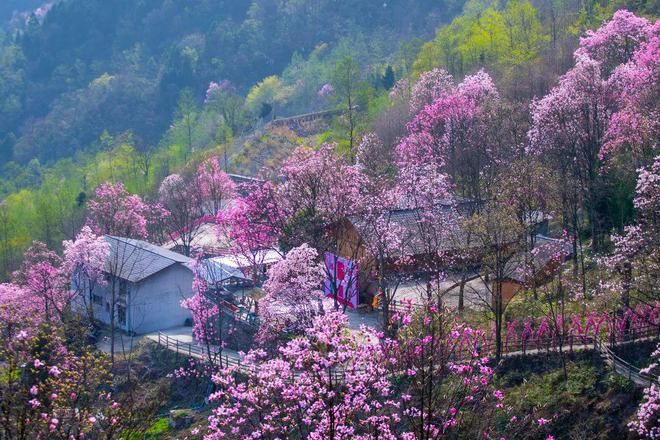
<point>124,343</point>
<point>475,294</point>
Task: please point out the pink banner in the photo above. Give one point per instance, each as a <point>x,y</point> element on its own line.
<point>343,273</point>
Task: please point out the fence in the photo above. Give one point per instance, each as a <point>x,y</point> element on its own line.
<point>180,347</point>
<point>223,360</point>
<point>548,345</point>
<point>623,368</point>
<point>188,349</point>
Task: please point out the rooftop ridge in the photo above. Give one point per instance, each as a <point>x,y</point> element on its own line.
<point>151,251</point>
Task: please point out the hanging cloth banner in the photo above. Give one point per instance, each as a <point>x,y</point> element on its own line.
<point>343,276</point>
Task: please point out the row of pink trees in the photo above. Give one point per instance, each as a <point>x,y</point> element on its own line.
<point>184,202</point>
<point>545,332</point>
<point>332,384</point>
<point>602,112</point>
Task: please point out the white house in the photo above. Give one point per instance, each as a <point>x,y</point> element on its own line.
<point>145,285</point>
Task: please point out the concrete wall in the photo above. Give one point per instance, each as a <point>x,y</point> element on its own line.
<point>101,311</point>
<point>153,303</point>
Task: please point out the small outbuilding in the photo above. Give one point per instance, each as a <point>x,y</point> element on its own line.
<point>546,258</point>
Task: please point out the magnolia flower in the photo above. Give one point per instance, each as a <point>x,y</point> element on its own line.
<point>326,90</point>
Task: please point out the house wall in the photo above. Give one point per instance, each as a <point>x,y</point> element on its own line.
<point>102,310</point>
<point>152,304</point>
<point>350,245</point>
<point>509,290</point>
<point>155,303</point>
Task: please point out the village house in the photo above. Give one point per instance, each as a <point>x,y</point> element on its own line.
<point>544,262</point>
<point>144,285</point>
<point>455,246</point>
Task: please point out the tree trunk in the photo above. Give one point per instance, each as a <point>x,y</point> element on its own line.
<point>498,319</point>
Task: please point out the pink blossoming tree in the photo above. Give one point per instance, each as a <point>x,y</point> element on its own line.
<point>322,385</point>
<point>84,259</point>
<point>215,186</point>
<point>635,263</point>
<point>116,212</point>
<point>293,293</point>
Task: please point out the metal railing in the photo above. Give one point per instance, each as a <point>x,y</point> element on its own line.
<point>196,351</point>
<point>180,347</point>
<point>618,365</point>
<point>624,368</point>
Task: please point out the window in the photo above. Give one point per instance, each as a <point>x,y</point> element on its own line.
<point>123,289</point>
<point>97,299</point>
<point>121,315</point>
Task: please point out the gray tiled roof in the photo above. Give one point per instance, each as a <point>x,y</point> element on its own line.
<point>411,223</point>
<point>135,260</point>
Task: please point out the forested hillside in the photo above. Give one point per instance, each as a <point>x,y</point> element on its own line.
<point>13,11</point>
<point>121,65</point>
<point>134,90</point>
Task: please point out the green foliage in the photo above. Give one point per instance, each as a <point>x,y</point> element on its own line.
<point>267,94</point>
<point>618,383</point>
<point>486,36</point>
<point>388,78</point>
<point>158,430</point>
<point>590,403</point>
<point>92,65</point>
